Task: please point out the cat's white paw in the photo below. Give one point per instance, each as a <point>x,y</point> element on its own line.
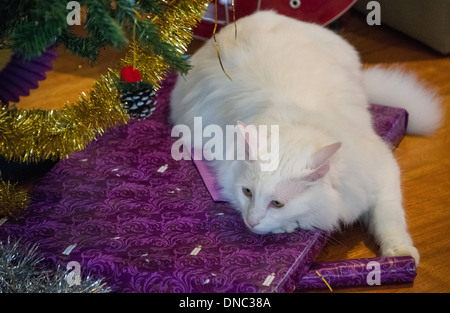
<point>403,250</point>
<point>286,229</point>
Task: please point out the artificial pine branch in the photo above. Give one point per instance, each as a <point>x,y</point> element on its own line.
<point>11,12</point>
<point>148,35</point>
<point>152,7</point>
<point>30,26</point>
<point>86,47</point>
<point>101,25</point>
<point>37,30</point>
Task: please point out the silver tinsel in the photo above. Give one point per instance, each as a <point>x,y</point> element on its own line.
<point>21,271</point>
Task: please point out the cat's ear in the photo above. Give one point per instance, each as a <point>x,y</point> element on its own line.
<point>320,161</point>
<point>324,154</point>
<point>251,140</point>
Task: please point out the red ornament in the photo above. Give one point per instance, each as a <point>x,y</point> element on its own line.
<point>321,12</point>
<point>130,75</point>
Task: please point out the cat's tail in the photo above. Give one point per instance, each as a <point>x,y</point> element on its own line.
<point>396,88</point>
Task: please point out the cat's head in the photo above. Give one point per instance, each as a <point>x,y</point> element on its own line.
<point>295,195</point>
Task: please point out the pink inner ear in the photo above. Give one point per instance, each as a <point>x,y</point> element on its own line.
<point>318,173</point>
<point>320,165</point>
<point>320,161</point>
<point>324,154</point>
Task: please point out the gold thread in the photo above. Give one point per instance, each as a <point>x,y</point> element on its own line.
<point>326,283</point>
<point>134,46</point>
<point>137,13</point>
<point>234,19</point>
<point>215,42</point>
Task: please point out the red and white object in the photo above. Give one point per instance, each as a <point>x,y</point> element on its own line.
<point>322,12</point>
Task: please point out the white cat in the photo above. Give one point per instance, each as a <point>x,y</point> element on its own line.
<point>333,168</point>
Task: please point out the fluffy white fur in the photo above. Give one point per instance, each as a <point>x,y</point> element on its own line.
<point>333,167</point>
<point>397,88</point>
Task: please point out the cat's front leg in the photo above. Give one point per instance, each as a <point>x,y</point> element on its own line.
<point>386,217</point>
<point>402,250</point>
<point>288,228</point>
<point>388,225</point>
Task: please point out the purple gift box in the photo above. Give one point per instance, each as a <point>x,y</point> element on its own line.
<point>390,123</point>
<point>127,212</point>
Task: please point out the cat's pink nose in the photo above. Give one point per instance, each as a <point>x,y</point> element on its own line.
<point>252,220</point>
<point>252,223</point>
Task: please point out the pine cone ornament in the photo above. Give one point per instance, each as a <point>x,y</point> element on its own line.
<point>138,97</point>
<point>139,102</point>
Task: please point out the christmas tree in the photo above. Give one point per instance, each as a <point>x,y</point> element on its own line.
<point>156,32</point>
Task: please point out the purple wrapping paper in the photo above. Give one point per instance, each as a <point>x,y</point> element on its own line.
<point>389,123</point>
<point>360,272</point>
<point>127,212</point>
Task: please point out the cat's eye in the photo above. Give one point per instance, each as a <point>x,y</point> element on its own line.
<point>277,204</point>
<point>247,192</point>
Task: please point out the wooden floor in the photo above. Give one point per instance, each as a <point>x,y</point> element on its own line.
<point>424,161</point>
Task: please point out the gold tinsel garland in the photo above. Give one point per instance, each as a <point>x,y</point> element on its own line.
<point>37,135</point>
<point>12,201</point>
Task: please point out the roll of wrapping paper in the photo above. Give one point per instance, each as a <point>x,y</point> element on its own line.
<point>358,273</point>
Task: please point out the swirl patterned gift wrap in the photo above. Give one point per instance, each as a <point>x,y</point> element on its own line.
<point>359,272</point>
<point>127,212</point>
